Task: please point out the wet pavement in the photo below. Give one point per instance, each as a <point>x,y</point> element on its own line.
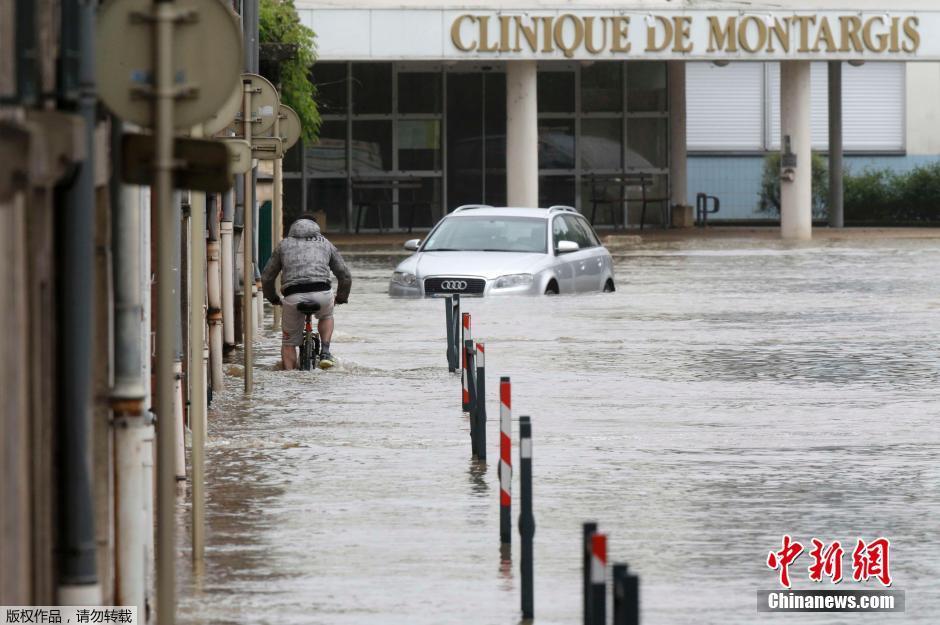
<point>729,392</point>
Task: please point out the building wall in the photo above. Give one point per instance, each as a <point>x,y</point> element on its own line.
<point>923,108</point>
<point>735,177</point>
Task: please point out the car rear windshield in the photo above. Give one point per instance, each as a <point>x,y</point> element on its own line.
<point>489,234</point>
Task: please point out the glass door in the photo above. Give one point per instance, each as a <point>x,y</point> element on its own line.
<point>476,138</point>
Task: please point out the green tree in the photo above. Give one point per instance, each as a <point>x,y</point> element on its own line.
<point>288,51</point>
<point>770,185</point>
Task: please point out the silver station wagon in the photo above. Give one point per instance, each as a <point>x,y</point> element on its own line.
<point>480,250</point>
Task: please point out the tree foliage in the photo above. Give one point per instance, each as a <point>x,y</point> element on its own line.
<point>295,54</point>
<point>770,185</point>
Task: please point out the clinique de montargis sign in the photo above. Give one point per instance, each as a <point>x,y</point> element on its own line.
<point>706,35</point>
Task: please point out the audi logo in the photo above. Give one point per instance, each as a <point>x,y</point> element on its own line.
<point>454,285</point>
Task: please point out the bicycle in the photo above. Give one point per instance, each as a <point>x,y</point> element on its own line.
<point>310,347</point>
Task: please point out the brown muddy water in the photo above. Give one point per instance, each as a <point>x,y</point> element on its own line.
<point>729,392</point>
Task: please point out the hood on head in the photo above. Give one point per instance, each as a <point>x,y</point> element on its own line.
<point>304,229</point>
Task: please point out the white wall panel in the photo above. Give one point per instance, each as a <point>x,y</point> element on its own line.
<point>725,106</point>
<point>729,109</point>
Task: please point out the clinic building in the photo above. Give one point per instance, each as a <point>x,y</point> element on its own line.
<point>625,110</point>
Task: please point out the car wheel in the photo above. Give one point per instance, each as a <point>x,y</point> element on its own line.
<point>552,288</point>
<point>609,286</point>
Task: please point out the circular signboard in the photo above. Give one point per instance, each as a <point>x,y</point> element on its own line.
<point>289,127</point>
<point>264,103</point>
<point>206,52</point>
<point>226,114</point>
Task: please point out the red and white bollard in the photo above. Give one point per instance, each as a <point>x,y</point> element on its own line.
<point>598,579</point>
<point>505,460</point>
<point>463,362</point>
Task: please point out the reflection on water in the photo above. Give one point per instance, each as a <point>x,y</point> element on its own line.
<point>726,394</point>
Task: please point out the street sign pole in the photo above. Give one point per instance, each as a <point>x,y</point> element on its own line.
<point>197,386</point>
<point>248,273</point>
<point>164,13</point>
<point>277,218</point>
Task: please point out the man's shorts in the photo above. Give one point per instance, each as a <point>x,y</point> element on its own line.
<point>292,320</point>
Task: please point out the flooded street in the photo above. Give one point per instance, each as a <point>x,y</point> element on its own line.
<point>728,393</point>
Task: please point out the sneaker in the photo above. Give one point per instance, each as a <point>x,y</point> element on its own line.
<point>326,360</point>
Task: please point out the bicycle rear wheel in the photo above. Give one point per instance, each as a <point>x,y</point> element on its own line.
<point>308,353</point>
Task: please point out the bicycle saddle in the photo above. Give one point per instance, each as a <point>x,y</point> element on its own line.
<point>308,308</point>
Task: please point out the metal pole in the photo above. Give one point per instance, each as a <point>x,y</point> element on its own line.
<point>214,287</point>
<point>167,307</point>
<point>505,460</point>
<point>449,315</point>
<point>626,604</point>
<point>78,578</point>
<point>197,380</point>
<point>588,530</point>
<point>277,214</point>
<point>836,208</point>
<point>456,321</point>
<point>464,337</point>
<point>228,266</point>
<point>248,273</point>
<point>479,400</point>
<point>470,358</point>
<point>599,579</point>
<point>178,392</point>
<point>526,518</point>
<point>127,393</point>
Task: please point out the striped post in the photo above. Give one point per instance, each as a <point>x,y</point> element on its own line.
<point>589,530</point>
<point>464,337</point>
<point>526,517</point>
<point>449,315</point>
<point>598,579</point>
<point>471,393</point>
<point>479,399</point>
<point>505,460</point>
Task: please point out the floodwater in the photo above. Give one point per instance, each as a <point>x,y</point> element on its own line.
<point>728,393</point>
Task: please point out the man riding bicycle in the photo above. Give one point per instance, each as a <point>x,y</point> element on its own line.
<point>305,259</point>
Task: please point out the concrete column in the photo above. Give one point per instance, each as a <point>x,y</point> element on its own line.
<point>522,134</point>
<point>678,146</point>
<point>796,201</point>
<point>835,145</point>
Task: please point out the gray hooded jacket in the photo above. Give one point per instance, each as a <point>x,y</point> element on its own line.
<point>305,256</point>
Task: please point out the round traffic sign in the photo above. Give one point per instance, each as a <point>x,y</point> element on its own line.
<point>206,55</point>
<point>225,115</point>
<point>289,126</point>
<point>264,102</point>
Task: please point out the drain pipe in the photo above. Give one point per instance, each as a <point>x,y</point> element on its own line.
<point>214,286</point>
<point>176,249</point>
<point>228,267</point>
<point>127,393</point>
<point>197,380</point>
<point>78,574</point>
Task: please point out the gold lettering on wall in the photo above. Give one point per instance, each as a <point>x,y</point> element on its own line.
<point>674,35</point>
<point>530,32</point>
<point>824,35</point>
<point>781,32</point>
<point>910,29</point>
<point>571,46</point>
<point>620,27</point>
<point>589,35</point>
<point>455,34</point>
<point>722,38</point>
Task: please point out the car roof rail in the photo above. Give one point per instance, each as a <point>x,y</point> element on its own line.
<point>562,208</point>
<point>470,207</point>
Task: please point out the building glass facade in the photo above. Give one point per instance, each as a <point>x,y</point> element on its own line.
<point>404,142</point>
